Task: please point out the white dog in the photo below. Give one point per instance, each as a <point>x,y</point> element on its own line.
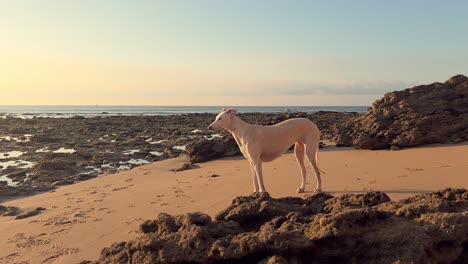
<point>265,143</point>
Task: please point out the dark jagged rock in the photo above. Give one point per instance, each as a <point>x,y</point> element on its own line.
<point>362,228</point>
<point>9,210</point>
<point>425,114</point>
<point>33,212</point>
<point>186,166</point>
<point>204,150</point>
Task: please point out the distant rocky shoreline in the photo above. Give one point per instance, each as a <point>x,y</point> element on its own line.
<point>39,154</point>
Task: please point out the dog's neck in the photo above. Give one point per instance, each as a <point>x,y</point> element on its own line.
<point>237,126</point>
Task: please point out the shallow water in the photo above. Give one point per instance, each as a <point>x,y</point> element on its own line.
<point>43,150</point>
<point>130,151</point>
<point>11,154</point>
<point>138,161</point>
<point>211,137</point>
<point>9,181</point>
<point>157,142</point>
<point>31,111</point>
<point>27,138</point>
<point>64,150</point>
<point>183,148</point>
<point>22,164</point>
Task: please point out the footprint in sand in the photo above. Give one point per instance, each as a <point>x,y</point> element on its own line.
<point>58,252</point>
<point>119,188</point>
<point>414,169</point>
<point>129,180</point>
<point>22,241</point>
<point>10,258</point>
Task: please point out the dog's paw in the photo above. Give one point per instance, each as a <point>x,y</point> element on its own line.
<point>317,190</point>
<point>300,190</point>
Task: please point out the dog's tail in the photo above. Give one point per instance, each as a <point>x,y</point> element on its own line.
<point>316,160</point>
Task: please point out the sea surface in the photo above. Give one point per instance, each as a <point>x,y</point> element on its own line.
<point>30,111</point>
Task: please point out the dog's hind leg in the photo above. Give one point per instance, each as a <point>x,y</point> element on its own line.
<point>299,151</point>
<point>312,148</point>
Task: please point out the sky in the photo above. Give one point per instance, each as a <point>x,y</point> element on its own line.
<point>232,52</point>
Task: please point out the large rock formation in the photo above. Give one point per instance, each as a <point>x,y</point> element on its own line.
<point>425,114</point>
<point>353,228</point>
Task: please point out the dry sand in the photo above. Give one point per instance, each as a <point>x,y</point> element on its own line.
<point>81,219</point>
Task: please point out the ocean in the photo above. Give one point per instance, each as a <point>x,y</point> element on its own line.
<point>30,111</point>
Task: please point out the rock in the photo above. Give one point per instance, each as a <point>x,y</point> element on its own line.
<point>9,210</point>
<point>186,166</point>
<point>395,148</point>
<point>33,212</point>
<point>63,182</point>
<point>362,228</point>
<point>425,114</point>
<point>204,150</point>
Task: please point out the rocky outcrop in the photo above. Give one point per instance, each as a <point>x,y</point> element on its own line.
<point>353,228</point>
<point>425,114</point>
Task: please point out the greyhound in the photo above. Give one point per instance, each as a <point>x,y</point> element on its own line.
<point>265,143</point>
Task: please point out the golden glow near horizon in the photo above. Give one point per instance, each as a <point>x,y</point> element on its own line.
<point>73,81</point>
<point>242,52</point>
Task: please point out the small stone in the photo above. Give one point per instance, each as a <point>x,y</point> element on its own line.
<point>395,148</point>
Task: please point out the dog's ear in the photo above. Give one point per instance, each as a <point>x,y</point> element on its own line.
<point>231,111</point>
<point>224,110</point>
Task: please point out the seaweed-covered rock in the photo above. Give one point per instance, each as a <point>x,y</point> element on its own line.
<point>361,228</point>
<point>424,114</point>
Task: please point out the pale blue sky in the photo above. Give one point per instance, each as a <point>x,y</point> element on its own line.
<point>227,52</point>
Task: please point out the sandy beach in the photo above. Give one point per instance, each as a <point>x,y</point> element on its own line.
<point>81,219</point>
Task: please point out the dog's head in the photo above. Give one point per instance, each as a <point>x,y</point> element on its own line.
<point>223,119</point>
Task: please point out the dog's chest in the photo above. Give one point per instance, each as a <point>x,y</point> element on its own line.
<point>242,143</point>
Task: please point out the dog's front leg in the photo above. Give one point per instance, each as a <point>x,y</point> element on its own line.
<point>258,170</point>
<point>254,176</point>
